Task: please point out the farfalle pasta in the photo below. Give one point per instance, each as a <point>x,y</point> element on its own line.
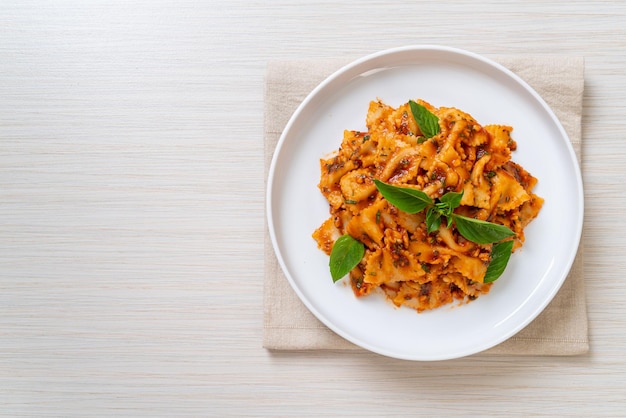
<point>411,265</point>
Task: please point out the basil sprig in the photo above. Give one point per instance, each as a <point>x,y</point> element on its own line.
<point>447,203</point>
<point>481,232</point>
<point>347,252</point>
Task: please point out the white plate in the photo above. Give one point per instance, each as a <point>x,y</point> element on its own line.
<point>444,77</point>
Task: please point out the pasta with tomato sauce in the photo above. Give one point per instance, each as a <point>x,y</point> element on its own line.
<point>411,265</point>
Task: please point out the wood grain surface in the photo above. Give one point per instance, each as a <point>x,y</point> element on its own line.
<point>132,210</point>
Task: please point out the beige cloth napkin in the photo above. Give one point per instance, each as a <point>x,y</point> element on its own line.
<point>561,329</point>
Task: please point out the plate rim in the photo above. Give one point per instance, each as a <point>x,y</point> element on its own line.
<point>573,159</point>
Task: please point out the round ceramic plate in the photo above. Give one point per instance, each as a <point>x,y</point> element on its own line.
<point>492,95</point>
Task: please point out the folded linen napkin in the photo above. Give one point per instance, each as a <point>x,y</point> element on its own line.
<point>561,329</point>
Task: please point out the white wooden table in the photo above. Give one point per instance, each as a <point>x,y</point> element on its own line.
<point>132,210</point>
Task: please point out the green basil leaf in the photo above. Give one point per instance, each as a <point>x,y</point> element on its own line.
<point>433,219</point>
<point>345,255</point>
<point>427,122</point>
<point>406,199</point>
<point>452,199</point>
<point>481,232</point>
<point>442,208</point>
<point>500,254</point>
